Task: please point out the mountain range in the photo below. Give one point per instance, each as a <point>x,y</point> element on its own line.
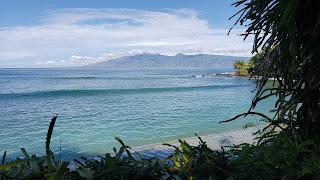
<point>146,60</point>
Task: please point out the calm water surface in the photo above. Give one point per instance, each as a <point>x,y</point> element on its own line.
<point>141,106</point>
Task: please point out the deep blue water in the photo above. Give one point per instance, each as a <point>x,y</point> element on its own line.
<point>141,106</point>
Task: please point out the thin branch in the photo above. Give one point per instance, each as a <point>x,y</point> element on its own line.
<point>245,114</point>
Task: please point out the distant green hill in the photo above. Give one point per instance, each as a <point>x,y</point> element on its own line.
<point>161,61</point>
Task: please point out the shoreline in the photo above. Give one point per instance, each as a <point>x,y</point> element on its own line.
<point>213,141</point>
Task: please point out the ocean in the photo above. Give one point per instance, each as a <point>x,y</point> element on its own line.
<point>141,106</point>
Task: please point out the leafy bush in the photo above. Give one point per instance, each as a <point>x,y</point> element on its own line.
<point>275,155</point>
<point>185,163</point>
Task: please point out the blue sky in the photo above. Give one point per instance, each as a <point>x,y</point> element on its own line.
<point>38,33</point>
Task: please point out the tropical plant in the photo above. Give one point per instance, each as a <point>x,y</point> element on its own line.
<point>197,162</point>
<point>289,32</point>
<point>32,167</point>
<point>243,68</point>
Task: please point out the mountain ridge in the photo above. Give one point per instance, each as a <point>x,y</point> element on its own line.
<point>180,60</point>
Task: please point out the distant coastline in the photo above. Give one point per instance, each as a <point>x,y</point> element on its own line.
<point>162,61</point>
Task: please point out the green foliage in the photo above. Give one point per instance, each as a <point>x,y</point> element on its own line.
<point>289,33</point>
<point>275,155</point>
<point>244,68</point>
<point>120,166</point>
<point>49,153</point>
<point>185,163</point>
<point>32,167</point>
<point>198,162</point>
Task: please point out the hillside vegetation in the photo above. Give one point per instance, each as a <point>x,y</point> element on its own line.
<point>146,60</point>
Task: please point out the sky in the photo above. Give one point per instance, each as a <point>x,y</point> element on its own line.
<point>62,33</point>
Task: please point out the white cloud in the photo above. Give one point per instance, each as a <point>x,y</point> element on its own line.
<point>90,32</point>
<point>84,60</point>
<point>135,51</point>
<point>45,62</point>
<point>106,57</point>
<point>80,58</point>
<point>231,51</point>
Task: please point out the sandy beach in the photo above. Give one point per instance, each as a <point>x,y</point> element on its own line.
<point>214,141</point>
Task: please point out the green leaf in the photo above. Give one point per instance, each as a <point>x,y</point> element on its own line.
<point>166,159</point>
<point>9,165</point>
<point>77,161</point>
<point>165,177</point>
<point>202,142</point>
<point>170,145</point>
<point>4,157</point>
<point>185,158</point>
<point>121,150</point>
<point>48,139</point>
<point>139,155</point>
<point>35,175</point>
<point>185,146</point>
<point>85,173</point>
<point>25,153</point>
<point>176,177</point>
<point>129,154</point>
<point>110,163</point>
<point>117,171</point>
<point>124,146</point>
<point>34,166</point>
<point>119,140</point>
<point>64,167</point>
<point>176,161</point>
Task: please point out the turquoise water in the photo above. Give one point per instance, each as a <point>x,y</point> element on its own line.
<point>141,106</point>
